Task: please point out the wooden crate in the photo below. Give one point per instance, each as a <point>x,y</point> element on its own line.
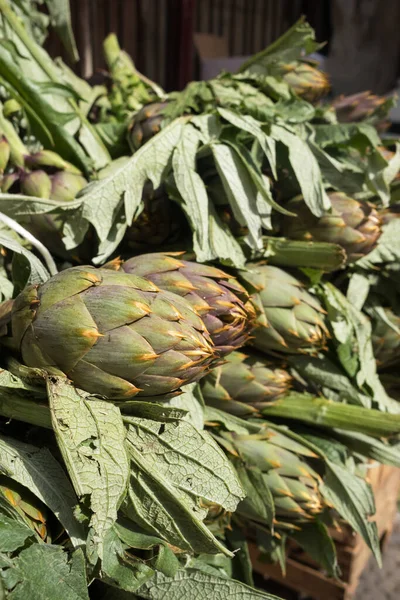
<point>304,575</point>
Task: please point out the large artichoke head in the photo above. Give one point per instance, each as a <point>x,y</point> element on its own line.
<point>244,384</point>
<point>290,319</point>
<point>269,463</point>
<point>222,302</point>
<point>353,225</point>
<point>111,333</point>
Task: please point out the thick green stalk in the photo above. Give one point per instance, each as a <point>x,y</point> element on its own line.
<point>293,253</point>
<point>14,406</point>
<point>326,413</point>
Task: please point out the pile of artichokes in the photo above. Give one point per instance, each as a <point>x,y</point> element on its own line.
<point>199,331</point>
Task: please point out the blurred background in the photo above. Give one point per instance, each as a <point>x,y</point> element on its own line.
<point>198,36</point>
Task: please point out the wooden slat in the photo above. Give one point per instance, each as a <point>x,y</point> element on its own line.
<point>304,575</point>
<point>299,577</point>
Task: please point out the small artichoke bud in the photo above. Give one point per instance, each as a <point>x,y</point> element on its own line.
<point>65,186</point>
<point>36,183</point>
<point>8,181</point>
<point>11,107</point>
<point>50,160</point>
<point>4,153</point>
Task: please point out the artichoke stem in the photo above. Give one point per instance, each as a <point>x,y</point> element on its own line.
<point>293,253</point>
<point>16,407</point>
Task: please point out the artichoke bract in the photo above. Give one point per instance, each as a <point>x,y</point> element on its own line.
<point>353,225</point>
<point>245,384</point>
<point>145,124</point>
<point>306,80</point>
<point>271,463</point>
<point>32,511</point>
<point>111,333</point>
<point>223,304</point>
<point>290,319</point>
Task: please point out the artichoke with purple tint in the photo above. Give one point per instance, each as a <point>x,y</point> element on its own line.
<point>222,302</point>
<point>111,333</point>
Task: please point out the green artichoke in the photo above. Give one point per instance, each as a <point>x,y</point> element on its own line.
<point>244,384</point>
<point>289,319</point>
<point>111,333</point>
<point>353,225</point>
<point>306,80</point>
<point>160,222</point>
<point>37,183</point>
<point>223,304</point>
<point>385,336</point>
<point>145,124</point>
<point>270,464</point>
<point>50,161</point>
<point>65,186</point>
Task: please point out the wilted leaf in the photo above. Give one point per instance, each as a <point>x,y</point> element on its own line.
<point>91,435</point>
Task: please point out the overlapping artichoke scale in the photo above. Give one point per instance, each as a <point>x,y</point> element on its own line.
<point>293,483</point>
<point>244,384</point>
<point>354,225</point>
<point>222,302</point>
<point>112,333</point>
<point>289,318</point>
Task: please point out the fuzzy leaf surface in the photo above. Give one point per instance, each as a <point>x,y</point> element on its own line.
<point>91,437</point>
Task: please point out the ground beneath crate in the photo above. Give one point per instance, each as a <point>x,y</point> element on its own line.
<point>383,584</point>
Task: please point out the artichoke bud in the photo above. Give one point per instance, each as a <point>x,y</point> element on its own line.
<point>145,124</point>
<point>36,183</point>
<point>307,81</point>
<point>354,225</point>
<point>11,107</point>
<point>8,181</point>
<point>4,153</point>
<point>65,186</point>
<point>50,161</point>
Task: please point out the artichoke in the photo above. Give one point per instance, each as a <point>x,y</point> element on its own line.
<point>385,336</point>
<point>360,107</point>
<point>353,225</point>
<point>244,384</point>
<point>65,186</point>
<point>145,124</point>
<point>223,304</point>
<point>37,183</point>
<point>270,464</point>
<point>160,222</point>
<point>306,80</point>
<point>111,333</point>
<point>289,319</point>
